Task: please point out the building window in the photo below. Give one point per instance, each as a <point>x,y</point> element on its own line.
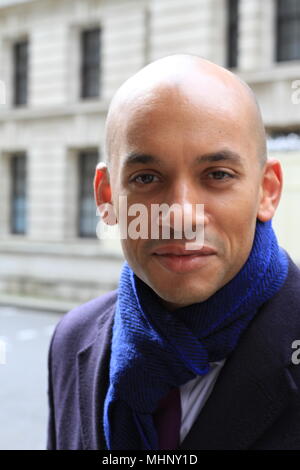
<point>288,30</point>
<point>90,63</point>
<point>232,33</point>
<point>18,193</point>
<point>20,53</point>
<point>87,207</point>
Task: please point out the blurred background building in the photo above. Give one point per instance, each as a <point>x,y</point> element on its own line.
<point>60,63</point>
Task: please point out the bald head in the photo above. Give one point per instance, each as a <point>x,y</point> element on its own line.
<point>186,79</point>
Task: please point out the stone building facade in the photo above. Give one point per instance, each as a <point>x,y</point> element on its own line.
<point>60,63</point>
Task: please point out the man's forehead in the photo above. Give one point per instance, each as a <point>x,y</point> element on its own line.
<point>192,97</point>
<point>169,108</point>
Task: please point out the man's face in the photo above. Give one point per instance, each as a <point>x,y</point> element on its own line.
<point>205,154</point>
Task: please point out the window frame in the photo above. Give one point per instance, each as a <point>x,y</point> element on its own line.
<point>20,72</point>
<point>82,155</point>
<point>90,64</point>
<point>15,193</point>
<point>232,36</point>
<point>284,20</point>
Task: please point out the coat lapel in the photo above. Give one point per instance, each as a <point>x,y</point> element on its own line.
<point>255,384</point>
<point>245,401</point>
<point>93,380</point>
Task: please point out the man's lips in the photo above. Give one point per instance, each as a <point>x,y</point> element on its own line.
<point>176,258</point>
<point>179,250</point>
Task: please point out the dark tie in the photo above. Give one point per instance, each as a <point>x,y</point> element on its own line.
<point>167,420</point>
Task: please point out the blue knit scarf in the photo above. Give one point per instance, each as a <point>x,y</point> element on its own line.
<point>154,350</point>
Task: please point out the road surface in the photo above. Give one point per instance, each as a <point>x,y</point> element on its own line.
<point>24,342</point>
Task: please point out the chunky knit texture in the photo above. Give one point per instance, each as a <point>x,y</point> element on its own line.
<point>154,350</point>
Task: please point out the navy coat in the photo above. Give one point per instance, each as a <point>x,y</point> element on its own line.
<point>255,403</point>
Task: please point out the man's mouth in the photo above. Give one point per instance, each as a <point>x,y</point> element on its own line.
<point>176,258</point>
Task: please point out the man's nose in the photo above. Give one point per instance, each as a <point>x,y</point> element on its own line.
<point>183,206</point>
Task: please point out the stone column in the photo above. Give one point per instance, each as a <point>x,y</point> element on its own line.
<point>256,34</point>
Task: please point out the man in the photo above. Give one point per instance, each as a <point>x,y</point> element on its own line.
<point>194,348</point>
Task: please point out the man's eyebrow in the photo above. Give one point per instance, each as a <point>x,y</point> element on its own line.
<point>135,158</point>
<point>219,156</point>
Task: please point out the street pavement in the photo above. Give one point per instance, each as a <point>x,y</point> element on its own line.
<point>24,341</point>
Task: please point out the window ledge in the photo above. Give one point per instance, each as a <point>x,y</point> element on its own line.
<point>80,248</point>
<point>277,71</point>
<point>27,113</point>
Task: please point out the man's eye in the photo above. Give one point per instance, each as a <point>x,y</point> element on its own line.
<point>144,178</point>
<point>220,175</point>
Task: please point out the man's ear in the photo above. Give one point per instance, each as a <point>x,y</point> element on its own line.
<point>271,188</point>
<point>102,194</point>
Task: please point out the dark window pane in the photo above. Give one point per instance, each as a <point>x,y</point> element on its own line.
<point>288,30</point>
<point>232,32</point>
<point>87,207</point>
<point>90,63</point>
<point>91,82</point>
<point>20,73</point>
<point>18,194</point>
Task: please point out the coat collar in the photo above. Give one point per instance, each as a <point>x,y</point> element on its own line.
<point>93,381</point>
<point>252,389</point>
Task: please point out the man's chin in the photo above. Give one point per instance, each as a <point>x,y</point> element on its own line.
<point>181,289</point>
<point>174,296</point>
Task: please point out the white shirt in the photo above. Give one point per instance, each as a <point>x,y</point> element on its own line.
<point>194,394</point>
